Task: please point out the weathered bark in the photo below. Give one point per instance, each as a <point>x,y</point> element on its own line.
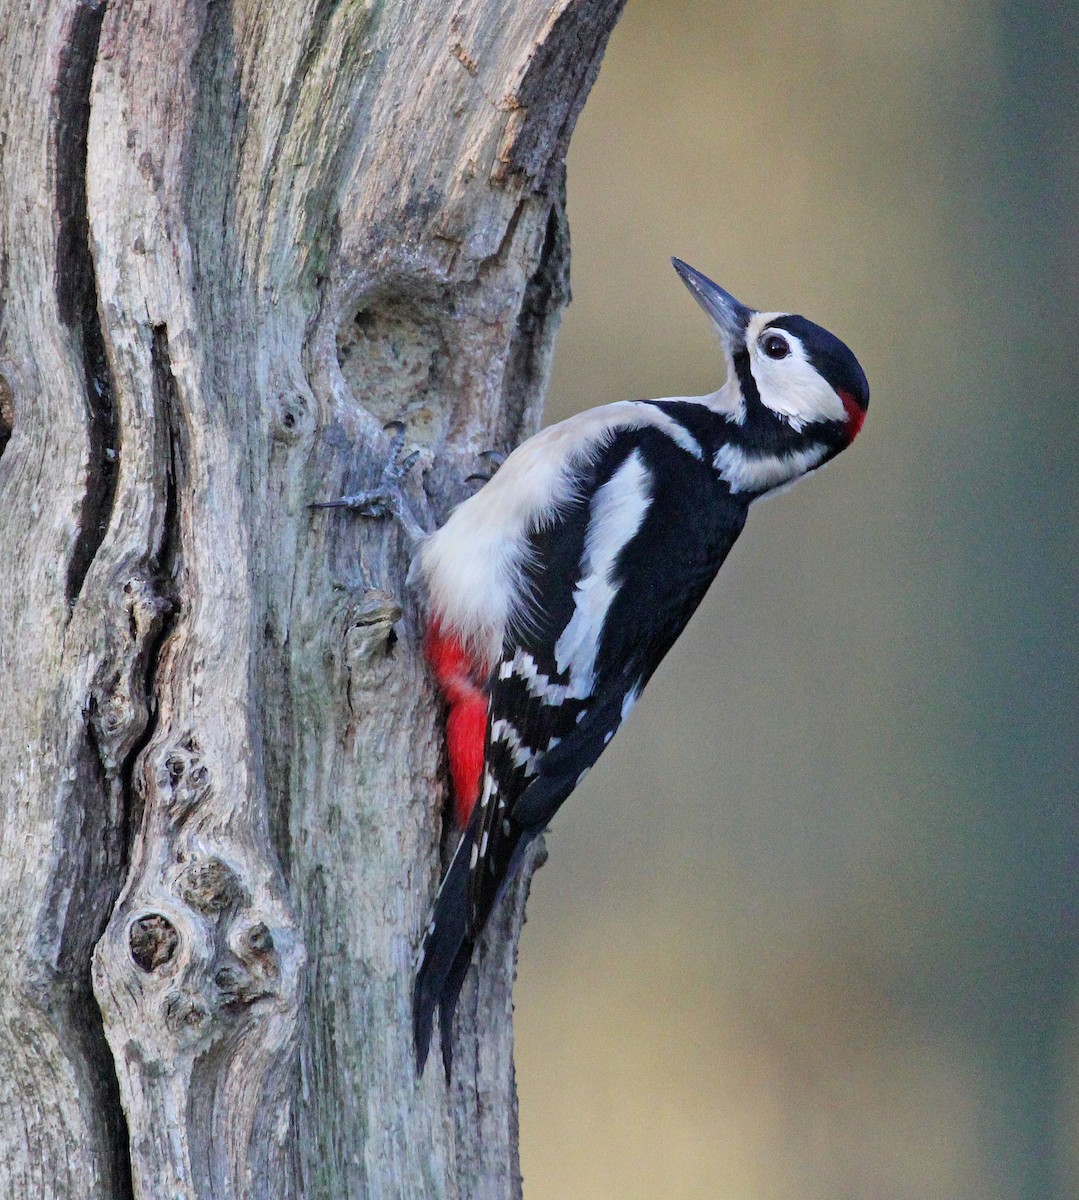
<point>237,239</point>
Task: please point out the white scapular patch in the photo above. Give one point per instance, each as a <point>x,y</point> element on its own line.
<point>472,568</point>
<point>760,473</point>
<point>503,731</point>
<point>616,513</point>
<point>791,386</point>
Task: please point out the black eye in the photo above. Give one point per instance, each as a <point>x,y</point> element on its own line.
<point>775,346</point>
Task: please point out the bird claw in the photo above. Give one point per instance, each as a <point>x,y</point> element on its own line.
<point>496,458</point>
<point>387,499</point>
<point>363,504</point>
<point>379,503</point>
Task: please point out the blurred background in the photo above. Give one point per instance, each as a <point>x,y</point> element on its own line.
<point>809,929</point>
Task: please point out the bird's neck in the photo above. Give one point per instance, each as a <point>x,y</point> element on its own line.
<point>753,449</point>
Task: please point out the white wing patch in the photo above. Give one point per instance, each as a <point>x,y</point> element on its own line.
<point>760,473</point>
<point>617,510</point>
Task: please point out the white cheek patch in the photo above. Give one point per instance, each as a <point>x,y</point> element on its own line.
<point>791,387</point>
<point>744,472</point>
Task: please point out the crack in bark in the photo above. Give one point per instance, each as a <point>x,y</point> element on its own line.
<point>7,409</point>
<point>162,621</point>
<point>76,288</point>
<point>85,1020</point>
<point>132,799</point>
<point>152,612</point>
<point>151,616</point>
<point>166,405</point>
<point>545,297</point>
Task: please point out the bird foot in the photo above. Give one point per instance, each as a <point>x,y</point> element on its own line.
<point>386,499</point>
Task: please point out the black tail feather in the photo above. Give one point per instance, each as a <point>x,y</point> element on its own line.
<point>461,910</point>
<point>445,946</point>
<point>451,992</point>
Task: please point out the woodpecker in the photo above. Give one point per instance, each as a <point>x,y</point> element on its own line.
<point>554,592</point>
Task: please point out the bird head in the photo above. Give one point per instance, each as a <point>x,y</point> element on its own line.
<point>795,384</point>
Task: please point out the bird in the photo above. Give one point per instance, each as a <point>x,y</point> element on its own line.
<point>553,592</point>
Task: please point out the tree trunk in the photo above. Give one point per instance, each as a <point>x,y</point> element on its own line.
<point>237,241</point>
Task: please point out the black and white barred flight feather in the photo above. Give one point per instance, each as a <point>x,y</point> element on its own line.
<point>564,581</point>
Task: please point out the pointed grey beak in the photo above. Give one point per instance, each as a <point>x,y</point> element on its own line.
<point>730,316</point>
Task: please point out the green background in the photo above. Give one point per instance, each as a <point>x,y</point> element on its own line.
<point>809,929</point>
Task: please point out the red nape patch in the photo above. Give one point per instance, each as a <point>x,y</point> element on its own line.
<point>855,413</point>
<point>460,678</point>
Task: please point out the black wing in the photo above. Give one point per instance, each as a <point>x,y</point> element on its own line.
<point>543,736</point>
<point>544,730</point>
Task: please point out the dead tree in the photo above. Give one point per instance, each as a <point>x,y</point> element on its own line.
<point>237,240</point>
